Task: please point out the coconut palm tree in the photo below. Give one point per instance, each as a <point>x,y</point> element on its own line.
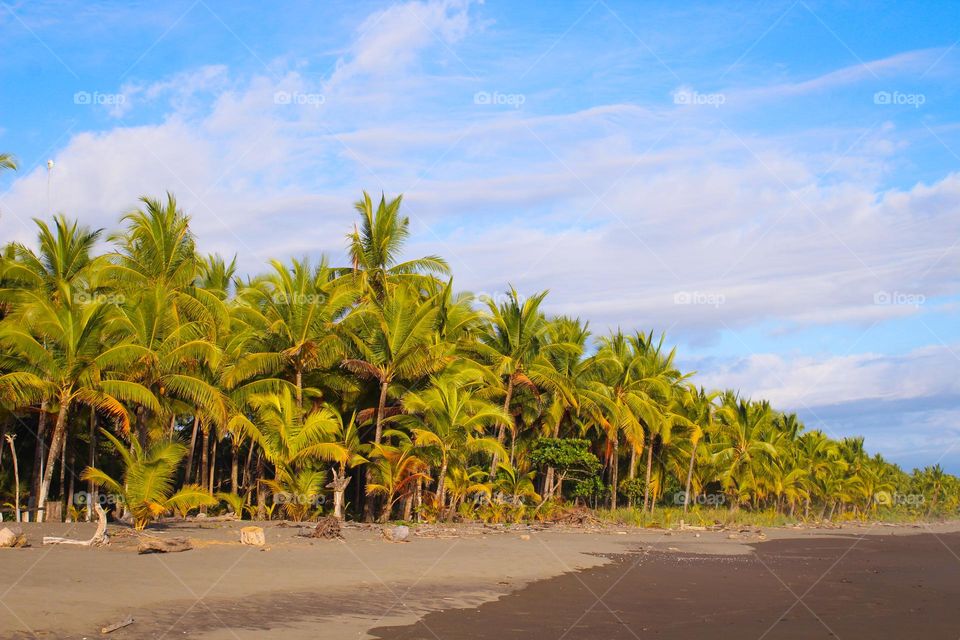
<point>293,312</point>
<point>70,347</point>
<point>450,418</point>
<point>147,486</point>
<point>375,249</point>
<point>740,446</point>
<point>7,162</point>
<point>516,336</point>
<point>395,470</point>
<point>295,442</point>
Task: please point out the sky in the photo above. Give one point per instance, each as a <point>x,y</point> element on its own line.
<point>775,185</point>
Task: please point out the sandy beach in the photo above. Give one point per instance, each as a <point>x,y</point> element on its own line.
<point>654,583</point>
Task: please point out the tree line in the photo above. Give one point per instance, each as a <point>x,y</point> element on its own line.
<point>134,369</point>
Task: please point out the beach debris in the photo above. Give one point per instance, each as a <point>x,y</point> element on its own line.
<point>577,516</point>
<point>12,537</point>
<point>156,545</point>
<point>126,622</point>
<point>399,533</point>
<point>327,528</point>
<point>524,537</point>
<point>253,536</point>
<point>99,538</point>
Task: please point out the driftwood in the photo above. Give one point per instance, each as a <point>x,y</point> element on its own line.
<point>396,534</point>
<point>170,545</point>
<point>12,537</point>
<point>99,538</point>
<point>118,625</point>
<point>328,528</point>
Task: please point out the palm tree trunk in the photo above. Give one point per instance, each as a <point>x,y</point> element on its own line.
<point>247,468</point>
<point>548,481</point>
<point>193,447</point>
<point>299,388</point>
<point>407,507</point>
<point>633,463</point>
<point>381,407</point>
<point>369,505</point>
<point>142,435</point>
<point>16,476</point>
<point>92,498</point>
<point>501,431</point>
<point>646,486</point>
<point>52,456</point>
<point>63,471</point>
<point>205,460</point>
<point>261,496</point>
<point>441,489</point>
<point>418,497</point>
<point>68,498</point>
<point>213,465</point>
<point>339,486</point>
<point>686,493</point>
<point>235,467</point>
<point>39,454</point>
<point>614,467</point>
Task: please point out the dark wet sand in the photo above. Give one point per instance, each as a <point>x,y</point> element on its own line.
<point>843,587</point>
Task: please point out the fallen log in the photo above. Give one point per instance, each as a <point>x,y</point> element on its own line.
<point>100,538</point>
<point>118,625</point>
<point>170,545</point>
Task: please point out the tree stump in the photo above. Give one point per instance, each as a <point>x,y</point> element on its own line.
<point>253,536</point>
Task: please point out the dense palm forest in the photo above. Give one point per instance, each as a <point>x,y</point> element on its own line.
<point>138,373</point>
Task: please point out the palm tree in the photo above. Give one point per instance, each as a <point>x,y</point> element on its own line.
<point>294,441</point>
<point>293,312</point>
<point>515,337</point>
<point>700,409</point>
<point>393,340</point>
<point>147,487</point>
<point>70,348</point>
<point>7,162</point>
<point>741,447</point>
<point>395,469</point>
<point>348,437</point>
<point>450,418</point>
<point>62,263</point>
<point>375,249</point>
<point>62,266</point>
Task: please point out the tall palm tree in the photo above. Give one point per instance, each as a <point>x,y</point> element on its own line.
<point>449,417</point>
<point>741,446</point>
<point>70,347</point>
<point>393,340</point>
<point>294,311</point>
<point>376,246</point>
<point>516,336</point>
<point>294,441</point>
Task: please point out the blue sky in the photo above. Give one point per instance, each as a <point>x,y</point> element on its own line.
<point>775,185</point>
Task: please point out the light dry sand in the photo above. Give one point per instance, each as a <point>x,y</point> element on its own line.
<point>303,588</point>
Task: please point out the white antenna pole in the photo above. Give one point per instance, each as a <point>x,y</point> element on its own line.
<point>49,171</point>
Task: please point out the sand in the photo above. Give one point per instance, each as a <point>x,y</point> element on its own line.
<point>303,588</point>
